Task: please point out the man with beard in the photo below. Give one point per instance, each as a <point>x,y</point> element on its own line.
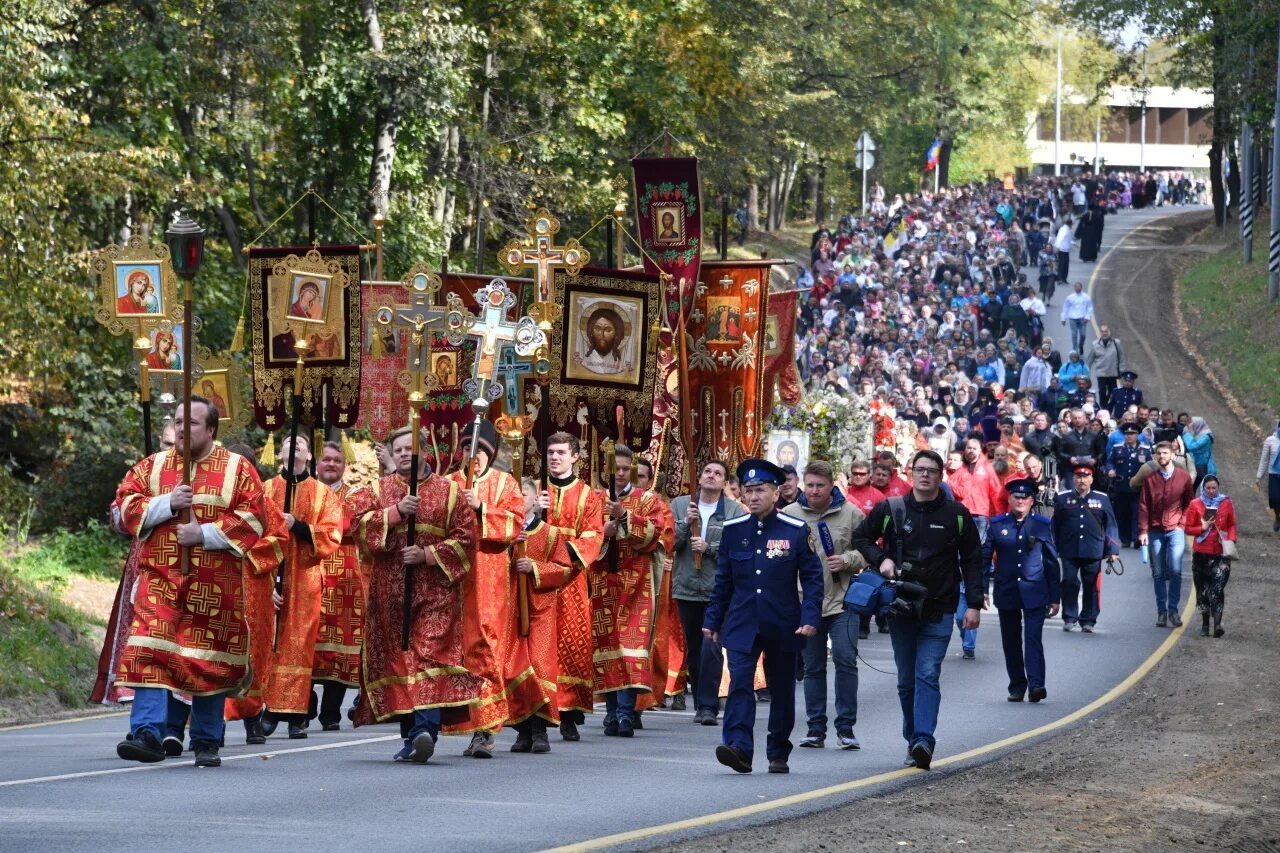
<point>421,685</point>
<point>640,527</point>
<point>189,600</point>
<point>606,335</point>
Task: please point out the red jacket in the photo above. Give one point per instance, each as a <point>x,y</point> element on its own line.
<point>864,497</point>
<point>1224,525</point>
<point>979,489</point>
<point>1162,503</point>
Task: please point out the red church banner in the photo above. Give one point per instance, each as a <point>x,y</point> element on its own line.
<point>780,371</point>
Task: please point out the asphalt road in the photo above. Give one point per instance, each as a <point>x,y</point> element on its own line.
<point>62,788</point>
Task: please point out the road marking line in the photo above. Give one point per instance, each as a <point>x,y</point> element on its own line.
<point>1097,267</point>
<point>892,775</point>
<point>161,765</point>
<point>86,717</point>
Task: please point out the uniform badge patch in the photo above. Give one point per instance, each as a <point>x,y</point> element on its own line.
<point>777,548</point>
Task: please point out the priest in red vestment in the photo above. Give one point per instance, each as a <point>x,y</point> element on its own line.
<point>344,575</point>
<point>314,522</point>
<point>492,648</point>
<point>572,512</point>
<point>425,685</point>
<point>623,602</point>
<point>189,632</point>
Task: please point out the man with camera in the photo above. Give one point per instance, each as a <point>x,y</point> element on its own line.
<point>764,557</point>
<point>931,544</point>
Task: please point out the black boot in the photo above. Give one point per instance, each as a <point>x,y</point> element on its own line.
<point>206,754</point>
<point>145,747</point>
<point>524,737</point>
<point>569,729</point>
<point>1204,625</point>
<point>1217,625</point>
<point>677,702</point>
<point>253,734</point>
<point>541,745</point>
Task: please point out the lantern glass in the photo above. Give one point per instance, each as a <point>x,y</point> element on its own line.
<point>186,246</point>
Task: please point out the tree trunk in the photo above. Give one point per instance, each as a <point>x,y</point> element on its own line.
<point>1217,190</point>
<point>788,182</point>
<point>1233,182</point>
<point>753,207</point>
<point>772,201</point>
<point>944,163</point>
<point>820,192</point>
<point>386,121</point>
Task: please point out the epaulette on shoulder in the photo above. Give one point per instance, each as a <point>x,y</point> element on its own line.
<point>1041,518</point>
<point>739,519</point>
<point>792,520</point>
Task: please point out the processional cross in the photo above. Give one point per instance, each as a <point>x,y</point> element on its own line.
<point>540,252</point>
<point>493,330</point>
<point>418,315</point>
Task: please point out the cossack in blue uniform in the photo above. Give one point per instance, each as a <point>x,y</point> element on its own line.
<point>1124,397</point>
<point>1024,576</point>
<point>1084,531</point>
<point>1121,466</point>
<point>754,609</point>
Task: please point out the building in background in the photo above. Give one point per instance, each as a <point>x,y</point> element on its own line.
<point>1177,132</point>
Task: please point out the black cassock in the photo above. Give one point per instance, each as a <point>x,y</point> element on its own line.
<point>1089,233</point>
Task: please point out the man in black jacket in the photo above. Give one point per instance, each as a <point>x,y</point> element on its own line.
<point>934,543</point>
<point>1079,446</point>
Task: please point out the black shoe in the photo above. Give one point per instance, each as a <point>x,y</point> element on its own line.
<point>627,727</point>
<point>864,635</point>
<point>1015,697</point>
<point>611,728</point>
<point>253,734</point>
<point>882,629</point>
<point>1204,628</point>
<point>1217,627</point>
<point>969,654</point>
<point>207,754</point>
<point>733,758</point>
<point>569,730</point>
<point>351,713</point>
<point>172,746</point>
<point>705,717</point>
<point>909,761</point>
<point>636,723</point>
<point>1037,693</point>
<point>762,695</point>
<point>330,727</point>
<point>1174,619</point>
<point>144,747</point>
<point>1162,621</point>
<point>422,748</point>
<point>524,738</point>
<point>540,745</point>
<point>678,703</point>
<point>778,765</point>
<point>297,731</point>
<point>922,754</point>
<point>1086,629</point>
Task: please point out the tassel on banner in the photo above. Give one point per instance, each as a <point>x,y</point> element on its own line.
<point>267,459</point>
<point>348,449</point>
<point>237,340</point>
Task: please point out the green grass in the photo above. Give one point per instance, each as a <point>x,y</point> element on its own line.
<point>94,552</point>
<point>1235,327</point>
<point>46,649</point>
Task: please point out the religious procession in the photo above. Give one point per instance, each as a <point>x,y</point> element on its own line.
<point>573,427</point>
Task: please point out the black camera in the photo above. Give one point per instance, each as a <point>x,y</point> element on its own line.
<point>908,597</point>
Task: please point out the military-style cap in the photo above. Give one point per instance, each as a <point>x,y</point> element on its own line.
<point>1083,469</point>
<point>755,472</point>
<point>1129,374</point>
<point>1022,488</point>
<point>1129,428</point>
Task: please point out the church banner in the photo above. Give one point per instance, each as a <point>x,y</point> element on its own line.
<point>669,219</point>
<point>309,293</point>
<point>605,356</point>
<point>725,350</point>
<point>780,371</point>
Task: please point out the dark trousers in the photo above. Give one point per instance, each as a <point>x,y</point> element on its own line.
<point>705,660</point>
<point>1064,264</point>
<point>1210,574</point>
<point>740,707</point>
<point>331,695</point>
<point>1106,387</point>
<point>1023,647</point>
<point>1126,507</point>
<point>1080,580</point>
<point>176,714</point>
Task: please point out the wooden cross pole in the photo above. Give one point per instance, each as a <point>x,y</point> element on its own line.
<point>540,252</point>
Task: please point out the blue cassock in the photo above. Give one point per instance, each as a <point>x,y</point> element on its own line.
<point>756,610</point>
<point>1022,563</point>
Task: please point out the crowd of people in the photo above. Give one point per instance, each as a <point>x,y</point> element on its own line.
<point>467,602</point>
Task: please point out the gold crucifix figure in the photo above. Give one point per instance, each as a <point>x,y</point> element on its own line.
<point>539,251</point>
<point>418,315</point>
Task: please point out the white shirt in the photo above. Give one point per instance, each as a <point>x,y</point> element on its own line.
<point>1078,306</point>
<point>1062,242</point>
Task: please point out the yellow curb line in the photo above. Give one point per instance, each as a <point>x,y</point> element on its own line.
<point>893,775</point>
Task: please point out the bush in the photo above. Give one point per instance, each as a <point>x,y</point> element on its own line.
<point>93,552</point>
<point>46,648</point>
<point>16,505</point>
<point>73,493</point>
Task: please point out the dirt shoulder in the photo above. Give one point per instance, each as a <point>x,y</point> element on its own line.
<point>1187,758</point>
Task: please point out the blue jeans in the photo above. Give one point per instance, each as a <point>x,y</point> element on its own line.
<point>1079,334</point>
<point>918,651</point>
<point>969,636</point>
<point>175,718</point>
<point>620,705</point>
<point>1166,567</point>
<point>425,720</point>
<point>150,713</point>
<point>843,631</point>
